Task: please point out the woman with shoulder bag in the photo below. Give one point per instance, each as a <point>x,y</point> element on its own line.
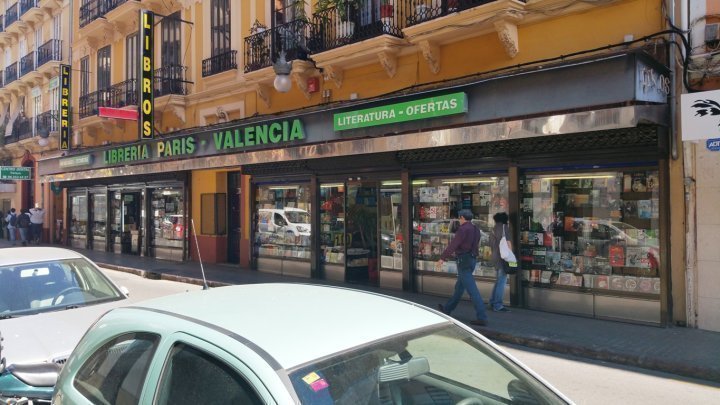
<point>500,234</point>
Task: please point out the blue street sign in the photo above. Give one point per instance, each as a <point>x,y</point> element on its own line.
<point>713,144</point>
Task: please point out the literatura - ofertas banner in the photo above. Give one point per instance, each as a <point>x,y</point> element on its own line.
<point>432,107</point>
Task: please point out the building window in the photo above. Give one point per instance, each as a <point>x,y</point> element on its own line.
<point>131,53</point>
<point>84,76</point>
<point>103,68</point>
<point>219,26</point>
<point>170,35</point>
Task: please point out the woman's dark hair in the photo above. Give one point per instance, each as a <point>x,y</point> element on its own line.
<point>500,217</point>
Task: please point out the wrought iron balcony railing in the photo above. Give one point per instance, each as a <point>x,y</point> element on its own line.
<point>426,10</point>
<point>47,120</point>
<point>26,5</point>
<point>22,128</point>
<point>123,94</point>
<point>2,81</point>
<point>344,25</point>
<point>27,64</point>
<point>49,51</point>
<point>91,10</point>
<point>2,23</point>
<point>89,103</point>
<point>11,73</point>
<point>171,80</point>
<point>11,15</point>
<point>262,48</point>
<point>219,63</point>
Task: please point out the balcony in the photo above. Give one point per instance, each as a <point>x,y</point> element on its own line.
<point>47,121</point>
<point>30,12</point>
<point>123,94</point>
<point>28,73</point>
<point>262,48</point>
<point>13,25</point>
<point>91,102</point>
<point>49,56</point>
<point>5,37</point>
<point>123,14</point>
<point>171,80</point>
<point>11,76</point>
<point>219,63</point>
<point>22,129</point>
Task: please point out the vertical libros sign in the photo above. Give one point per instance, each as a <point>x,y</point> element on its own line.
<point>65,107</point>
<point>146,74</point>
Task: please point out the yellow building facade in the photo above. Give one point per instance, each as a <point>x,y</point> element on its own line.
<point>391,116</point>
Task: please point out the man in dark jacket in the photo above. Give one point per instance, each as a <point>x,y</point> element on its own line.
<point>464,246</point>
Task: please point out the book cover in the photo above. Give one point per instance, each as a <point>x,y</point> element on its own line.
<point>627,182</point>
<point>545,186</point>
<point>566,262</point>
<point>545,276</point>
<point>631,283</point>
<point>645,284</point>
<point>656,286</point>
<point>602,282</point>
<point>578,264</point>
<point>652,182</point>
<point>565,278</point>
<point>588,280</point>
<point>535,276</point>
<point>636,256</point>
<point>552,261</point>
<point>639,182</point>
<point>570,246</point>
<point>536,185</point>
<point>617,256</point>
<point>644,209</point>
<point>539,256</point>
<point>617,283</point>
<point>630,208</point>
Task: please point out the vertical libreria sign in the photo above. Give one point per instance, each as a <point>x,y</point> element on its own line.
<point>65,107</point>
<point>147,23</point>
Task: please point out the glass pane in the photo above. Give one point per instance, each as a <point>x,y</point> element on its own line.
<point>116,372</point>
<point>283,221</point>
<point>361,232</point>
<point>99,212</point>
<point>595,231</point>
<point>194,377</point>
<point>391,225</point>
<point>78,221</point>
<point>436,203</point>
<point>169,230</point>
<point>116,230</point>
<point>332,223</point>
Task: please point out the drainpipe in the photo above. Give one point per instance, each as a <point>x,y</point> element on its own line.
<point>689,155</point>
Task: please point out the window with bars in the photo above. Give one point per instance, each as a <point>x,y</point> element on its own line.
<point>85,76</point>
<point>283,11</point>
<point>219,26</point>
<point>131,56</point>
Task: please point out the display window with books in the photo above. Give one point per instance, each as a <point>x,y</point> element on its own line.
<point>591,231</point>
<point>391,225</point>
<point>282,219</point>
<point>436,203</point>
<point>332,223</point>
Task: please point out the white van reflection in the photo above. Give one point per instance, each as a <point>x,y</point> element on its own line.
<point>281,221</point>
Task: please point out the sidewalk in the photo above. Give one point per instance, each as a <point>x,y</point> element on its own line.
<point>681,351</point>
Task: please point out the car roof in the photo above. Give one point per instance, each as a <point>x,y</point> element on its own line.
<point>22,255</point>
<point>298,323</point>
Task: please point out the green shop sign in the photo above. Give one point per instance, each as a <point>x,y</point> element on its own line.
<point>208,143</point>
<point>76,161</point>
<point>432,107</point>
<point>14,173</point>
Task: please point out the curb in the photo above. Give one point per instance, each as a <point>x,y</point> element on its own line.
<point>535,342</point>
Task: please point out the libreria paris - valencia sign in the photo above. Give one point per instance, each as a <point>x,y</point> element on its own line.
<point>432,107</point>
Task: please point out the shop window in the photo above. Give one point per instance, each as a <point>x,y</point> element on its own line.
<point>78,221</point>
<point>169,225</point>
<point>282,226</point>
<point>391,225</point>
<point>436,203</point>
<point>213,214</point>
<point>596,231</point>
<point>332,223</point>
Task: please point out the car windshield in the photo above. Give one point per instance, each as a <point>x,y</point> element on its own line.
<point>53,285</point>
<point>298,217</point>
<point>443,365</point>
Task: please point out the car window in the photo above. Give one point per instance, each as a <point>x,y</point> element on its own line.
<point>191,376</point>
<point>52,285</point>
<point>115,373</point>
<point>279,220</point>
<point>446,365</point>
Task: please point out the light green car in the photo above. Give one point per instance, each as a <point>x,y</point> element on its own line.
<point>290,344</point>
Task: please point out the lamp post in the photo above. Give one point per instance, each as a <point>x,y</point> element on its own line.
<point>282,70</point>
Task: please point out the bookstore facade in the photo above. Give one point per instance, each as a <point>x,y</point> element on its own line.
<point>369,193</point>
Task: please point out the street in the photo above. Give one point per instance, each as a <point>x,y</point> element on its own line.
<point>584,381</point>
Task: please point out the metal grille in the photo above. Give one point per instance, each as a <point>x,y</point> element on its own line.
<point>589,141</point>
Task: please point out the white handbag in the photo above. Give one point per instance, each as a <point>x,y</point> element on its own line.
<point>505,252</point>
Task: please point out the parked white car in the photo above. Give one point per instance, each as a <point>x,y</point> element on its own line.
<point>48,299</point>
<point>291,344</point>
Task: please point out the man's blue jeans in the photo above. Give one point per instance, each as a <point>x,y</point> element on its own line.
<point>36,232</point>
<point>496,300</point>
<point>466,282</point>
<point>12,234</point>
<point>24,235</point>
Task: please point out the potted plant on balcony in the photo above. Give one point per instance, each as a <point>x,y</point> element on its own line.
<point>387,11</point>
<point>345,12</point>
<point>452,5</point>
<point>259,53</point>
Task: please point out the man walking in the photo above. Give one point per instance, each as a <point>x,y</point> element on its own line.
<point>23,225</point>
<point>464,246</point>
<point>37,216</point>
<point>11,220</point>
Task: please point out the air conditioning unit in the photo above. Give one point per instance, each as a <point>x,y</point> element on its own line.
<point>712,34</point>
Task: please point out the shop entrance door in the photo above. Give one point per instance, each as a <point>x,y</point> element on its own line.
<point>131,223</point>
<point>234,234</point>
<point>361,263</point>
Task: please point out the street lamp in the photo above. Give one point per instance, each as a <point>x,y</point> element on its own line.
<point>282,70</point>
